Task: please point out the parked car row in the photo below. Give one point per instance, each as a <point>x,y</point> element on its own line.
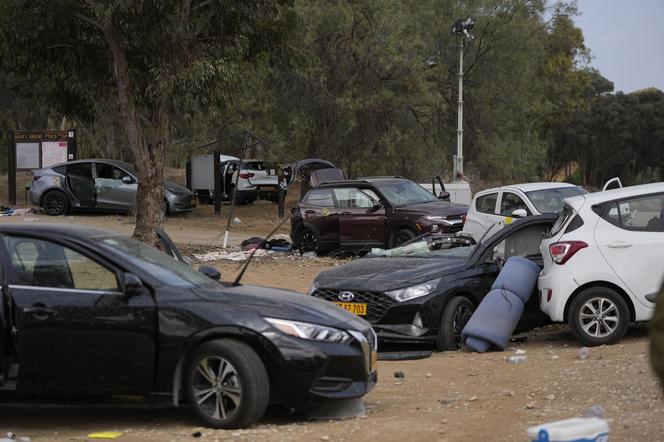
<point>600,259</point>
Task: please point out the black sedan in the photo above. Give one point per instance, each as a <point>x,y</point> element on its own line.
<point>90,312</point>
<point>427,289</point>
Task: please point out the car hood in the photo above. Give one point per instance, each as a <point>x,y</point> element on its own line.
<point>435,208</point>
<point>176,188</point>
<point>382,274</point>
<point>285,304</point>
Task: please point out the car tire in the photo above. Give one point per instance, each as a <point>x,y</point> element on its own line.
<point>55,202</point>
<point>611,322</point>
<point>455,315</point>
<point>308,241</point>
<point>401,236</point>
<point>235,391</point>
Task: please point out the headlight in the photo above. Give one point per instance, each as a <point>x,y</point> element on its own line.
<point>312,332</point>
<point>438,219</point>
<point>414,291</point>
<point>313,288</point>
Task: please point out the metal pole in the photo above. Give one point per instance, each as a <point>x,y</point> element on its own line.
<point>459,155</point>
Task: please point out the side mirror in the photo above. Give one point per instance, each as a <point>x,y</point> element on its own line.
<point>520,213</point>
<point>132,285</point>
<point>210,272</point>
<point>443,195</point>
<point>127,179</point>
<point>376,206</point>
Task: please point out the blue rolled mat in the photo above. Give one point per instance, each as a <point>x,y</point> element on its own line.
<point>519,276</point>
<point>494,321</point>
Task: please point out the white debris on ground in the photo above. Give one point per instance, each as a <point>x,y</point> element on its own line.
<point>231,256</point>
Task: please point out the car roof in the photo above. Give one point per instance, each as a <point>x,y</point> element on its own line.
<point>47,230</point>
<point>118,163</point>
<point>529,187</point>
<point>363,180</point>
<point>614,194</point>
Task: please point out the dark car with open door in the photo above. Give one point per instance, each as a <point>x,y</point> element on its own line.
<point>357,215</point>
<point>88,312</point>
<point>426,290</point>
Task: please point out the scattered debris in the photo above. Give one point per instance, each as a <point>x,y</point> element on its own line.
<point>520,352</point>
<point>549,397</point>
<point>584,353</point>
<point>473,399</point>
<point>516,359</point>
<point>105,435</point>
<point>428,375</point>
<point>399,374</point>
<point>575,429</point>
<point>594,411</point>
<point>447,401</point>
<point>531,405</point>
<point>10,211</point>
<point>237,220</point>
<point>197,434</point>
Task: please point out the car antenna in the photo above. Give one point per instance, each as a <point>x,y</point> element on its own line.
<point>246,264</point>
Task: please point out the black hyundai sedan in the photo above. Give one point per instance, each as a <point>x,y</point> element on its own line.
<point>426,290</point>
<point>90,312</point>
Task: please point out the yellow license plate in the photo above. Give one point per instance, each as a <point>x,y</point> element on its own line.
<point>354,307</point>
<point>374,360</point>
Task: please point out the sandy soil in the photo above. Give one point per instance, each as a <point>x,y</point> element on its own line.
<point>456,396</point>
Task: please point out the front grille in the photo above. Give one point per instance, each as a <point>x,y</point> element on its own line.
<point>377,302</point>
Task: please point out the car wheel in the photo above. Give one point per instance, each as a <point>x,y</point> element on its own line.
<point>598,316</point>
<point>226,384</point>
<point>456,314</point>
<point>401,236</point>
<point>308,241</point>
<point>55,202</point>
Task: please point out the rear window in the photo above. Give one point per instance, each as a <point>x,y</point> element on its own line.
<point>486,203</point>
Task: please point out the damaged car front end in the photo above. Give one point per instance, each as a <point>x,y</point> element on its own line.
<point>426,290</point>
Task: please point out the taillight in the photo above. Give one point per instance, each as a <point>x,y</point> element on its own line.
<point>246,176</point>
<point>562,251</point>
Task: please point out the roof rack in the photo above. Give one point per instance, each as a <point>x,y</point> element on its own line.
<point>374,177</point>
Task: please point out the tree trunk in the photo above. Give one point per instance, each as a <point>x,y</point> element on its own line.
<point>148,154</point>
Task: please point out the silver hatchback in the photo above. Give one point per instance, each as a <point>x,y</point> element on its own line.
<point>98,185</point>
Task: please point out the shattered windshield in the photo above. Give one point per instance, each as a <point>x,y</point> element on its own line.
<point>431,246</point>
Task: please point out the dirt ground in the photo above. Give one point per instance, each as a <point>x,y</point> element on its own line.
<point>454,396</point>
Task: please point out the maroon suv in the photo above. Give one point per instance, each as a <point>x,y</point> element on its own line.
<point>370,212</point>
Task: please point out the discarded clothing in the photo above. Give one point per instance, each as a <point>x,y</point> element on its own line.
<point>496,317</point>
<point>231,256</point>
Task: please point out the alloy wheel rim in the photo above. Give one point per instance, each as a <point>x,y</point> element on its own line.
<point>308,241</point>
<point>402,238</point>
<point>599,317</point>
<point>54,203</point>
<point>461,317</point>
<point>217,388</point>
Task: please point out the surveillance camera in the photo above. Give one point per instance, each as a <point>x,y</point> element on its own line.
<point>468,35</point>
<point>431,62</point>
<point>462,26</point>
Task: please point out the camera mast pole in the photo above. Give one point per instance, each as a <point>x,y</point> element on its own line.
<point>458,158</point>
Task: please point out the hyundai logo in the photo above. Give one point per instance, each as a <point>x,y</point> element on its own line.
<point>346,296</point>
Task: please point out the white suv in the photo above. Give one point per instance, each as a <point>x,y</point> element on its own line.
<point>501,205</point>
<point>603,260</point>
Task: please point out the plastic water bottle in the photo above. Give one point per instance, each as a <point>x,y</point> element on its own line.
<point>518,359</point>
<point>584,353</point>
<point>594,411</point>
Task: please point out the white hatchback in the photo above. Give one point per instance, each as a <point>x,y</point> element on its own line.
<point>498,206</point>
<point>603,261</point>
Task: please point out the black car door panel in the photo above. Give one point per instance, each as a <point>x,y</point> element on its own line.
<point>75,331</point>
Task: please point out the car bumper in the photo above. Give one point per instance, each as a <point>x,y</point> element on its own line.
<point>312,371</point>
<point>555,286</point>
<point>182,203</point>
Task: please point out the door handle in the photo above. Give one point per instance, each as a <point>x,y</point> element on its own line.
<point>345,213</point>
<point>310,212</point>
<point>619,244</point>
<point>40,311</point>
